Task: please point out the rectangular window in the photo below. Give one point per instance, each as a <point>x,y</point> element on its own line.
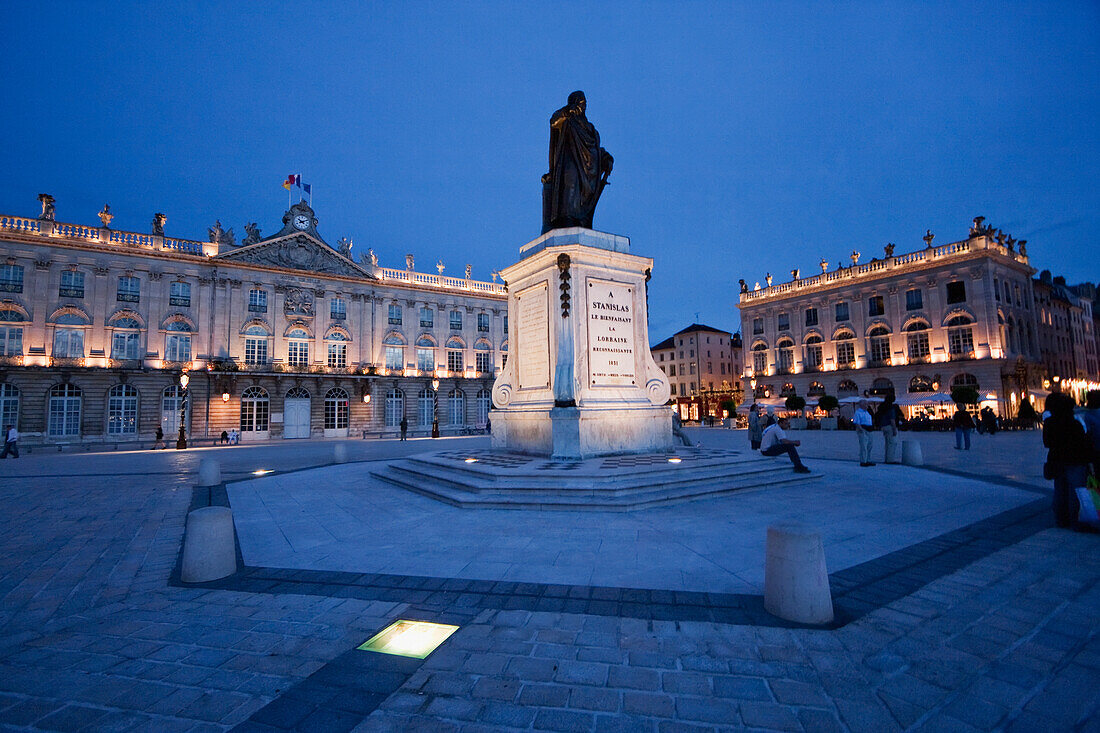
<point>454,360</point>
<point>338,309</point>
<point>124,345</point>
<point>811,316</point>
<point>723,366</point>
<point>845,354</point>
<point>784,322</point>
<point>297,353</point>
<point>257,301</point>
<point>758,325</point>
<point>841,312</point>
<point>504,360</point>
<point>960,341</point>
<point>68,343</point>
<point>255,350</point>
<point>672,370</point>
<point>177,347</point>
<point>918,347</point>
<point>880,349</point>
<point>483,361</point>
<point>395,357</point>
<point>72,284</point>
<point>483,322</point>
<point>129,290</point>
<point>997,289</point>
<point>180,294</point>
<point>456,320</point>
<point>914,300</point>
<point>876,306</point>
<point>956,292</point>
<point>11,278</point>
<point>425,360</point>
<point>337,355</point>
<point>505,324</point>
<point>813,357</point>
<point>785,360</point>
<point>395,314</point>
<point>427,318</point>
<point>759,362</point>
<point>11,341</point>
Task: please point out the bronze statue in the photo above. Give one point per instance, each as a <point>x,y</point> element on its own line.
<point>579,168</point>
<point>47,207</point>
<point>159,220</point>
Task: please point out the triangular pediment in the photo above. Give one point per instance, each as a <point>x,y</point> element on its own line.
<point>298,251</point>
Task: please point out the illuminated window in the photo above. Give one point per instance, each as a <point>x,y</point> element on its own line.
<point>122,410</point>
<point>960,337</point>
<point>916,338</point>
<point>64,411</point>
<point>11,278</point>
<point>456,320</point>
<point>129,290</point>
<point>72,284</point>
<point>257,300</point>
<point>255,345</point>
<point>336,409</point>
<point>255,410</point>
<point>878,346</point>
<point>456,407</point>
<point>338,309</point>
<point>180,294</point>
<point>297,348</point>
<point>427,318</point>
<point>483,322</point>
<point>394,314</point>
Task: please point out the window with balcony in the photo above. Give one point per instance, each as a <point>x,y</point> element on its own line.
<point>11,278</point>
<point>394,314</point>
<point>456,320</point>
<point>180,294</point>
<point>876,306</point>
<point>811,316</point>
<point>257,301</point>
<point>878,346</point>
<point>72,284</point>
<point>483,322</point>
<point>841,312</point>
<point>956,292</point>
<point>338,309</point>
<point>129,290</point>
<point>914,299</point>
<point>427,318</point>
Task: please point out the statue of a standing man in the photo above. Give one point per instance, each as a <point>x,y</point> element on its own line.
<point>579,168</point>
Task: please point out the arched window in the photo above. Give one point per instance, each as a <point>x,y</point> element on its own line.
<point>297,393</point>
<point>812,359</point>
<point>170,401</point>
<point>454,342</point>
<point>125,338</point>
<point>255,345</point>
<point>484,399</point>
<point>455,345</point>
<point>816,389</point>
<point>456,407</point>
<point>426,341</point>
<point>122,410</point>
<point>784,354</point>
<point>425,406</point>
<point>760,358</point>
<point>11,332</point>
<point>425,353</point>
<point>9,405</point>
<point>878,346</point>
<point>916,340</point>
<point>336,347</point>
<point>787,390</point>
<point>845,349</point>
<point>847,388</point>
<point>483,356</point>
<point>177,341</point>
<point>960,337</point>
<point>297,348</point>
<point>395,407</point>
<point>337,406</point>
<point>64,415</point>
<point>68,342</point>
<point>882,386</point>
<point>255,410</point>
<point>964,380</point>
<point>394,344</point>
<point>921,383</point>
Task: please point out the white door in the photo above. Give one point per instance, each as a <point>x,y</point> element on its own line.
<point>295,418</point>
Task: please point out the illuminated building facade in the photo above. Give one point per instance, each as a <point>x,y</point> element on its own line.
<point>703,365</point>
<point>955,315</point>
<point>281,336</point>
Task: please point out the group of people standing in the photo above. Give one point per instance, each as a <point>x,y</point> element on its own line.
<point>1073,450</point>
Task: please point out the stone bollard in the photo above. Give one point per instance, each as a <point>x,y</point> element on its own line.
<point>209,552</point>
<point>796,583</point>
<point>210,472</point>
<point>340,453</point>
<point>911,454</point>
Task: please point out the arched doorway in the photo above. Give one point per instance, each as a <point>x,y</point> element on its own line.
<point>296,413</point>
<point>337,407</point>
<point>255,413</point>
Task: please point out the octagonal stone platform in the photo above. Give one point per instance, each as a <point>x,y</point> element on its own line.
<point>503,480</point>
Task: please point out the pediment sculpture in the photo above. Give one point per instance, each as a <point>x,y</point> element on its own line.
<point>300,252</point>
<point>298,302</point>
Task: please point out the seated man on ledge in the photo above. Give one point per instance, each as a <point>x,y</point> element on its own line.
<point>774,442</point>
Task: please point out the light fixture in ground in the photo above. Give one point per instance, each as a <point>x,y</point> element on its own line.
<point>407,638</point>
<point>471,460</point>
<point>673,460</point>
<point>262,471</point>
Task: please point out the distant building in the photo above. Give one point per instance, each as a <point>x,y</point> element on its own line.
<point>1067,330</point>
<point>280,337</point>
<point>703,365</point>
<point>954,315</point>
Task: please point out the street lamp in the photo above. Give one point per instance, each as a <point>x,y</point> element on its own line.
<point>181,442</point>
<point>435,408</point>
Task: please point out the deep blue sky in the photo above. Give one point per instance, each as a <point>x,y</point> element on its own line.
<point>748,137</point>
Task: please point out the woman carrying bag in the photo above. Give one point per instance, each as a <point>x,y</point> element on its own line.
<point>1068,453</point>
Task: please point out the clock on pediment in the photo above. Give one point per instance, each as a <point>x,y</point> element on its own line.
<point>300,218</point>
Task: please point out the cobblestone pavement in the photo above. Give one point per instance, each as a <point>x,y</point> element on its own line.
<point>94,636</point>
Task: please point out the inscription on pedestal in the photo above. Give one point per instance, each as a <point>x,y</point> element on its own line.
<point>610,334</point>
<point>533,336</point>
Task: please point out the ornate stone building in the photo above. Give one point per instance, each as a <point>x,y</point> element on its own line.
<point>280,337</point>
<point>703,365</point>
<point>1067,339</point>
<point>960,314</point>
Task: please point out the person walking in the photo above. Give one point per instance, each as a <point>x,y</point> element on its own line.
<point>1068,454</point>
<point>404,428</point>
<point>864,427</point>
<point>775,442</point>
<point>1091,418</point>
<point>886,419</point>
<point>963,425</point>
<point>159,435</point>
<point>11,442</point>
<point>756,429</point>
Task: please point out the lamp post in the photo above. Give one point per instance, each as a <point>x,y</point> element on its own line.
<point>435,408</point>
<point>181,442</point>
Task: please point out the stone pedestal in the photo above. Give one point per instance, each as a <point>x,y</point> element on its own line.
<point>796,582</point>
<point>209,550</point>
<point>580,380</point>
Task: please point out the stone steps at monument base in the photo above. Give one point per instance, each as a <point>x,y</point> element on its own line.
<point>622,484</point>
<point>642,497</point>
